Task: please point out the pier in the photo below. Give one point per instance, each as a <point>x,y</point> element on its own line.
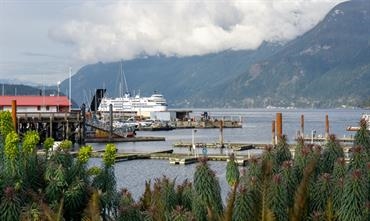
<point>207,124</point>
<point>179,159</point>
<point>233,146</point>
<point>74,125</point>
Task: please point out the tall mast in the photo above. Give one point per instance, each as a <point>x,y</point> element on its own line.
<point>70,88</point>
<point>124,77</point>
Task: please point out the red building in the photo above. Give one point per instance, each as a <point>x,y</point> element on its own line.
<point>32,104</point>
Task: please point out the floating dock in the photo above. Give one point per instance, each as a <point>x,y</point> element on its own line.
<point>323,139</point>
<point>177,159</point>
<point>184,160</point>
<point>122,139</point>
<point>208,124</point>
<point>233,146</point>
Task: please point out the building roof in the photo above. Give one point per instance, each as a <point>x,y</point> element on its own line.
<point>35,100</point>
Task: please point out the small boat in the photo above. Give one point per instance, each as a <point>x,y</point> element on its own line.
<point>364,116</point>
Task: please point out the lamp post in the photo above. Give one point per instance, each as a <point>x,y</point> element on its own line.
<point>313,133</point>
<point>193,141</point>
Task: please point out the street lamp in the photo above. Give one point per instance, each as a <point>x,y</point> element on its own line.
<point>193,141</point>
<point>313,133</point>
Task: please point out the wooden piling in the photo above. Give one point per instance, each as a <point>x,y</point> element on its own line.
<point>273,132</point>
<point>51,126</point>
<point>302,125</point>
<point>326,126</point>
<point>14,115</point>
<point>279,125</point>
<point>222,133</point>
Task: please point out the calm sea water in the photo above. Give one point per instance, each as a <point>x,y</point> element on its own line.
<point>256,129</point>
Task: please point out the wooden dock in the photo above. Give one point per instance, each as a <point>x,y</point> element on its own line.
<point>183,160</point>
<point>175,159</point>
<point>139,156</point>
<point>233,146</point>
<point>323,139</point>
<point>205,124</point>
<point>122,139</point>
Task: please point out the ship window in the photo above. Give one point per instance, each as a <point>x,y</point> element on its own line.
<point>47,108</point>
<point>38,108</point>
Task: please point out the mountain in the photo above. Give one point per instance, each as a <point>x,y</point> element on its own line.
<point>21,89</point>
<point>179,79</point>
<point>328,66</point>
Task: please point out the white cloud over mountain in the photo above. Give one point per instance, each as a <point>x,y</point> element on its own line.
<point>108,31</point>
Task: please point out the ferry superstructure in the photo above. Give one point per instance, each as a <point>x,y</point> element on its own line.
<point>141,105</point>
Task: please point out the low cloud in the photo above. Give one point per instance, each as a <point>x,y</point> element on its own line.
<point>126,29</point>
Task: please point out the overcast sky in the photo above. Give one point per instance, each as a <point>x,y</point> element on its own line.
<point>41,39</point>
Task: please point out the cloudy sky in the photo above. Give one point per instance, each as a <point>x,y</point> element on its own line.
<point>41,39</point>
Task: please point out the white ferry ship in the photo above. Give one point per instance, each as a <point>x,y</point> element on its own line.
<point>141,105</point>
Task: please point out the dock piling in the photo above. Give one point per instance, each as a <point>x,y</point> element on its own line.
<point>14,114</point>
<point>326,126</point>
<point>222,133</point>
<point>279,124</point>
<point>273,132</point>
<point>302,125</point>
